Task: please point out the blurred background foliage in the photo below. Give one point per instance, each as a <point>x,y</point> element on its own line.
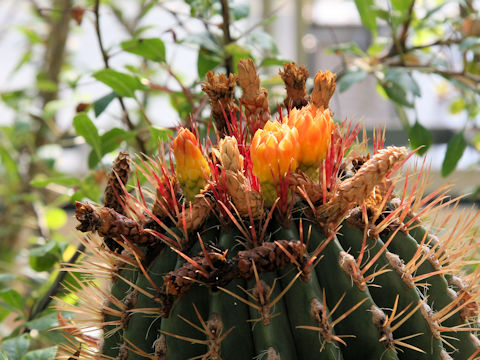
<point>47,163</point>
<point>426,40</point>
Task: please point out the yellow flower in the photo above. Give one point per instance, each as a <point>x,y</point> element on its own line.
<point>191,167</point>
<point>274,151</point>
<point>314,128</point>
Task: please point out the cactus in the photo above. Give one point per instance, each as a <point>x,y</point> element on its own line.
<point>283,244</point>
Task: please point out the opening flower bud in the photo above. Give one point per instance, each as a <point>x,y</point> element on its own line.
<point>314,128</point>
<point>274,152</point>
<point>191,167</point>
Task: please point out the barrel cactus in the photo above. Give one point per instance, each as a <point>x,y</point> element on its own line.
<point>279,237</point>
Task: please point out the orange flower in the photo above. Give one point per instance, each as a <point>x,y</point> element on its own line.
<point>274,152</point>
<point>315,128</point>
<point>191,166</point>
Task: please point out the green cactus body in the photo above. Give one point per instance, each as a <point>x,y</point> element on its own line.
<point>231,310</point>
<point>366,341</point>
<point>120,289</point>
<point>143,327</point>
<point>438,292</point>
<point>238,278</point>
<point>392,282</point>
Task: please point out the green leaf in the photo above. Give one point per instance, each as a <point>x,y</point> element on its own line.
<point>40,180</point>
<point>110,141</point>
<point>237,52</point>
<point>14,98</point>
<point>420,136</point>
<point>46,85</point>
<point>86,128</point>
<point>455,148</point>
<point>348,47</point>
<point>377,46</point>
<point>44,322</point>
<point>469,43</point>
<point>113,138</point>
<point>32,35</point>
<point>204,39</point>
<point>56,218</point>
<point>12,298</point>
<point>43,258</point>
<point>396,93</point>
<point>51,108</point>
<point>351,77</point>
<point>367,16</point>
<point>476,141</point>
<point>202,8</point>
<point>151,49</point>
<point>207,60</point>
<point>42,263</point>
<point>235,49</point>
<point>264,40</point>
<point>3,314</point>
<point>273,62</point>
<point>93,159</point>
<point>4,278</point>
<point>101,104</point>
<point>26,58</point>
<point>42,354</point>
<point>15,348</point>
<point>89,189</point>
<point>181,104</point>
<point>239,11</point>
<point>404,79</point>
<point>9,165</point>
<point>401,5</point>
<point>123,84</point>
<point>457,106</point>
<point>161,134</point>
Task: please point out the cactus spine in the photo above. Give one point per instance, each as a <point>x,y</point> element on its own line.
<point>277,245</point>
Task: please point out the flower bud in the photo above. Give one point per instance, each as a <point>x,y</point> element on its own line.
<point>314,128</point>
<point>323,89</point>
<point>274,152</point>
<point>230,155</point>
<point>191,167</point>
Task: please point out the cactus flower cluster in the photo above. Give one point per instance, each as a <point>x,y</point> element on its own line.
<point>278,242</point>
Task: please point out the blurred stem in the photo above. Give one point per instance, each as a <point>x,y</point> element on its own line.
<point>54,59</point>
<point>55,51</point>
<point>406,26</point>
<point>399,42</point>
<point>227,39</point>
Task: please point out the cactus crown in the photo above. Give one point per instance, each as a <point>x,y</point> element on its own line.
<point>279,242</point>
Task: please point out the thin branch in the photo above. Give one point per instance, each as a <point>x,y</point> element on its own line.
<point>406,26</point>
<point>99,34</point>
<point>441,42</point>
<point>470,80</point>
<point>185,91</point>
<point>105,57</point>
<point>38,10</point>
<point>227,38</point>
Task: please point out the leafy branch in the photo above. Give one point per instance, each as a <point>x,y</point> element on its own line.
<point>106,60</point>
<point>418,45</point>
